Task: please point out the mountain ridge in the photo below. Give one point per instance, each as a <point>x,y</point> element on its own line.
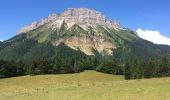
<point>153,36</point>
<point>79,28</point>
<point>98,36</point>
<point>80,16</point>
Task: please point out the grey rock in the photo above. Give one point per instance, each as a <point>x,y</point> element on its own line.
<point>84,17</point>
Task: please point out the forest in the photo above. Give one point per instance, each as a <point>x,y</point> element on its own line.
<point>134,69</point>
<point>28,57</point>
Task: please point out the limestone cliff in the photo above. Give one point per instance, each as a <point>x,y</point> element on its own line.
<point>79,28</point>
<point>81,16</point>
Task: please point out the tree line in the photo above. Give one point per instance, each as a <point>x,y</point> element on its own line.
<point>45,66</point>
<point>138,69</point>
<point>131,69</point>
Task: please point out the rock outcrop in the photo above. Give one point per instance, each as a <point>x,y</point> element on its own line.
<point>34,25</point>
<point>82,28</point>
<point>81,16</point>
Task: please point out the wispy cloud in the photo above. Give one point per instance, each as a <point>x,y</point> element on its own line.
<point>153,36</point>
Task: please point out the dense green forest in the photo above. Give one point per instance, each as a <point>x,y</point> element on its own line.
<point>138,69</point>
<point>44,58</point>
<point>134,69</point>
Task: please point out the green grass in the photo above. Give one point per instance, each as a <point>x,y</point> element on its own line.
<point>88,85</point>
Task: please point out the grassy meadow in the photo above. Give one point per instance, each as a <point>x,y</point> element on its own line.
<point>88,85</point>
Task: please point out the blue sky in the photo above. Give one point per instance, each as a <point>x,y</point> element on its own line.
<point>134,14</point>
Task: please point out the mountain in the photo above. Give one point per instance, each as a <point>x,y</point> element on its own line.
<point>78,28</point>
<point>1,43</point>
<point>81,16</point>
<point>153,36</point>
<point>81,39</point>
<point>81,32</point>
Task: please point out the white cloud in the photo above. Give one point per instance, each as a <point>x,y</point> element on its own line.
<point>153,36</point>
<point>1,40</point>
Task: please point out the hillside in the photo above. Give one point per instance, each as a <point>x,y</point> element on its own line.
<point>79,39</point>
<point>81,29</point>
<point>88,85</point>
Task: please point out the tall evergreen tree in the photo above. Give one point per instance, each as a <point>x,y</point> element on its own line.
<point>164,67</point>
<point>127,72</point>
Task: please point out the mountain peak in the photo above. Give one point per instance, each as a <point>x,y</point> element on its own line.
<point>83,17</point>
<point>82,11</point>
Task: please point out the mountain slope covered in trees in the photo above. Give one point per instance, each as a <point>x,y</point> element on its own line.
<point>104,46</point>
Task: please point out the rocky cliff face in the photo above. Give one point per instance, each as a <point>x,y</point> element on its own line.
<point>80,16</point>
<point>34,25</point>
<point>86,17</point>
<point>79,28</point>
